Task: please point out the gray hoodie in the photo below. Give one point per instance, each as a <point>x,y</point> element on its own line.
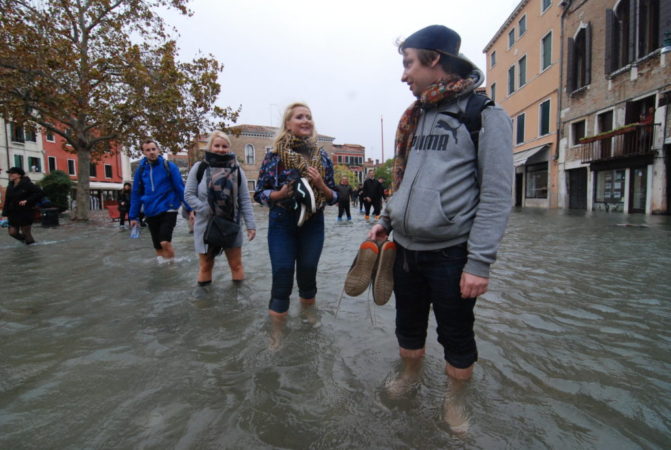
<point>450,194</point>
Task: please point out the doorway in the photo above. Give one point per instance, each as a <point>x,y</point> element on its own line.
<point>637,189</point>
<point>577,188</point>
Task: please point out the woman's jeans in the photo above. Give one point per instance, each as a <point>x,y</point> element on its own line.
<point>292,246</point>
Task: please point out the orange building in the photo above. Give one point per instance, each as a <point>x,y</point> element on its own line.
<point>523,71</point>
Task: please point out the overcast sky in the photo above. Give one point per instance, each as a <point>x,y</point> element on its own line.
<point>337,56</point>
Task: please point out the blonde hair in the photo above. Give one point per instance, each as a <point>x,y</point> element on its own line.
<point>214,135</point>
<point>283,132</point>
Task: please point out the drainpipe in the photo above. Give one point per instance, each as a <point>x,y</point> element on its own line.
<point>565,5</point>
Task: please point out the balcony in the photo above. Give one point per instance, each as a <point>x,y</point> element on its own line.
<point>629,141</point>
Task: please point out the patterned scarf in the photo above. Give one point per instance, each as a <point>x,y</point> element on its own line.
<point>436,93</point>
<point>222,184</point>
<point>301,153</point>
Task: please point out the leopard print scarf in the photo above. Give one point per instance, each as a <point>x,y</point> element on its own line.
<point>301,153</point>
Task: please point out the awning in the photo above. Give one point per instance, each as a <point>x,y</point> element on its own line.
<point>531,156</point>
<point>105,186</point>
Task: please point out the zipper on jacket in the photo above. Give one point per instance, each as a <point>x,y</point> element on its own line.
<point>151,177</point>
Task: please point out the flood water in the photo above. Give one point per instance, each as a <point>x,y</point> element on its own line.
<point>101,347</point>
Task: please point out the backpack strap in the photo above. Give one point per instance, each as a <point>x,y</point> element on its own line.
<point>471,116</point>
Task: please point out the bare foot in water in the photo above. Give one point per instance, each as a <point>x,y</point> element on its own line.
<point>277,323</point>
<point>309,313</point>
<point>407,380</point>
<point>455,414</point>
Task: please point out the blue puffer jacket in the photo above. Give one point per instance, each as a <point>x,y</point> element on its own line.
<point>158,189</point>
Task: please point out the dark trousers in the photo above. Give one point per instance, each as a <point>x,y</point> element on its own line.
<point>293,247</point>
<point>343,207</point>
<point>376,204</point>
<point>426,278</point>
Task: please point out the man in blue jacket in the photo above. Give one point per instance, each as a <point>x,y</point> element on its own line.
<point>449,209</point>
<point>157,186</point>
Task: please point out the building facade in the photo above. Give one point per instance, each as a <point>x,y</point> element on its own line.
<point>616,88</point>
<point>21,146</point>
<point>523,72</point>
<point>352,156</point>
<point>107,172</point>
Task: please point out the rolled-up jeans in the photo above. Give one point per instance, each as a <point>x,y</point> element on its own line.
<point>293,247</point>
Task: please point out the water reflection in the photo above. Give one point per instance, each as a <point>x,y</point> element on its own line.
<point>101,347</point>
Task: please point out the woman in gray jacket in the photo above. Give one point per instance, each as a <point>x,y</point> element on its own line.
<point>218,188</point>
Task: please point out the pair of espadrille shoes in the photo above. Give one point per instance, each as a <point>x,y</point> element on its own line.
<point>373,265</point>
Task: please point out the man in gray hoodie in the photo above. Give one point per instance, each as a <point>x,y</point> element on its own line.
<point>449,209</point>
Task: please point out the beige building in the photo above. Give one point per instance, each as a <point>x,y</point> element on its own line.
<point>616,85</point>
<point>523,72</point>
<point>251,143</point>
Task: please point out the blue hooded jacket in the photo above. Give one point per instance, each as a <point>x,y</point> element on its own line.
<point>158,189</point>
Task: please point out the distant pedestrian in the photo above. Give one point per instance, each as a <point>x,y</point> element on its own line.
<point>372,195</point>
<point>218,189</point>
<point>344,193</point>
<point>159,189</point>
<point>21,197</point>
<point>124,205</point>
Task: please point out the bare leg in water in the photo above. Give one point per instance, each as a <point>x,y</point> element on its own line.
<point>454,407</point>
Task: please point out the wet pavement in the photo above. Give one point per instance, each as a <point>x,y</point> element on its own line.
<point>102,347</point>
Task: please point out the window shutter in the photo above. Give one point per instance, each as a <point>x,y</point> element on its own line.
<point>633,28</point>
<point>610,42</point>
<point>570,65</point>
<point>588,54</point>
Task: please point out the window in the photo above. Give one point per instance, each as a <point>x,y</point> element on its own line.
<point>339,159</point>
<point>546,51</point>
<point>522,25</point>
<point>609,186</point>
<point>50,136</point>
<point>52,163</point>
<point>268,149</point>
<point>545,4</point>
<point>492,59</point>
<point>511,38</point>
<point>251,185</point>
<point>577,132</point>
<point>545,118</point>
<point>108,171</point>
<point>519,135</point>
<point>579,59</point>
<point>523,71</point>
<point>16,131</point>
<point>632,31</point>
<point>34,164</point>
<point>71,167</point>
<point>18,161</point>
<point>249,154</point>
<point>492,91</point>
<point>30,133</point>
<point>92,170</point>
<point>537,181</point>
<point>648,26</point>
<point>511,80</point>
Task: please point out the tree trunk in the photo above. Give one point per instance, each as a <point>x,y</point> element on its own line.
<point>83,177</point>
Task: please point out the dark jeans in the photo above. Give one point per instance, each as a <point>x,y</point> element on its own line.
<point>343,207</point>
<point>423,278</point>
<point>122,217</point>
<point>376,204</point>
<point>292,247</point>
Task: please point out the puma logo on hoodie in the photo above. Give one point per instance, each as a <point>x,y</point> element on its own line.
<point>436,141</point>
